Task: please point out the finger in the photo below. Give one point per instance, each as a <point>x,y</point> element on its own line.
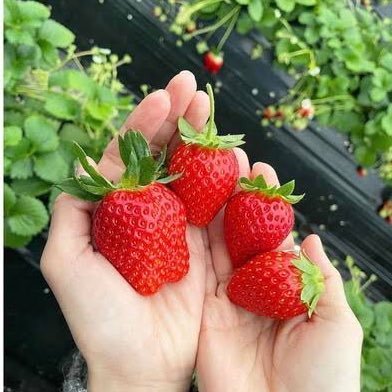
<point>271,178</point>
<point>220,256</point>
<point>181,89</point>
<point>243,162</point>
<point>148,118</point>
<point>334,295</point>
<point>71,222</point>
<point>197,115</point>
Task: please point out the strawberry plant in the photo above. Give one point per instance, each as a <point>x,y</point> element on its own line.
<point>50,99</point>
<point>376,321</point>
<point>338,52</point>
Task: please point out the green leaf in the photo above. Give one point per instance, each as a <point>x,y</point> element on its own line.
<point>51,167</point>
<point>42,133</point>
<point>186,129</point>
<point>306,2</point>
<point>12,240</point>
<point>18,37</point>
<point>12,135</point>
<point>244,23</point>
<point>9,198</point>
<point>72,187</point>
<point>243,2</point>
<point>255,10</point>
<point>71,79</point>
<point>286,5</point>
<point>365,156</point>
<point>28,216</point>
<point>62,106</point>
<point>72,133</point>
<point>31,187</point>
<point>386,121</point>
<point>99,110</point>
<point>90,170</point>
<point>386,60</point>
<point>55,33</point>
<point>50,54</point>
<point>33,10</point>
<point>22,168</point>
<point>377,94</point>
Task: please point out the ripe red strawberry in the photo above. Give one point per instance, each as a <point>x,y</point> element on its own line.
<point>139,224</point>
<point>258,218</point>
<point>278,285</point>
<point>213,61</point>
<point>209,169</point>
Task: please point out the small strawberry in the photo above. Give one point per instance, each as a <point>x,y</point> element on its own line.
<point>269,112</point>
<point>361,171</point>
<point>258,218</point>
<point>213,61</point>
<point>279,285</point>
<point>306,110</point>
<point>208,166</point>
<point>139,224</point>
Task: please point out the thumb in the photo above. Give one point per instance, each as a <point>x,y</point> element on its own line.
<point>333,297</point>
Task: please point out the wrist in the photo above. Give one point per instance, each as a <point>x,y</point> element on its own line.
<point>104,383</point>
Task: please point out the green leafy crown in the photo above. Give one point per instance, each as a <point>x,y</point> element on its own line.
<point>141,169</point>
<point>312,281</point>
<point>208,137</point>
<point>258,184</point>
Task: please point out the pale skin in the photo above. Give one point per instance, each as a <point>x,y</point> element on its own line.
<point>135,343</point>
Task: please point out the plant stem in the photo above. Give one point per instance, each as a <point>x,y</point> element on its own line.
<point>210,130</point>
<point>229,29</point>
<point>216,25</point>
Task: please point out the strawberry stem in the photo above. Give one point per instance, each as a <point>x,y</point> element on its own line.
<point>210,129</point>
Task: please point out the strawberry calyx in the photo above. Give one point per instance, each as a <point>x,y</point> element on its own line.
<point>141,169</point>
<point>312,281</point>
<point>284,191</point>
<point>208,137</point>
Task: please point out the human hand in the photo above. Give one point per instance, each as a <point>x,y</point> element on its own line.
<point>130,342</point>
<point>239,351</point>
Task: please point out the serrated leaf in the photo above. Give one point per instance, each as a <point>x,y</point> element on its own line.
<point>42,133</point>
<point>9,198</point>
<point>62,106</point>
<point>255,10</point>
<point>72,133</point>
<point>33,10</point>
<point>51,167</point>
<point>22,168</point>
<point>306,2</point>
<point>377,94</point>
<point>386,61</point>
<point>31,187</point>
<point>12,135</point>
<point>12,240</point>
<point>286,5</point>
<point>55,33</point>
<point>365,156</point>
<point>28,216</point>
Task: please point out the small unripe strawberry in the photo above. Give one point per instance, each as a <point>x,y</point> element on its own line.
<point>213,61</point>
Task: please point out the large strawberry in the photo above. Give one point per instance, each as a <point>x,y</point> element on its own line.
<point>139,224</point>
<point>279,285</point>
<point>258,218</point>
<point>209,168</point>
